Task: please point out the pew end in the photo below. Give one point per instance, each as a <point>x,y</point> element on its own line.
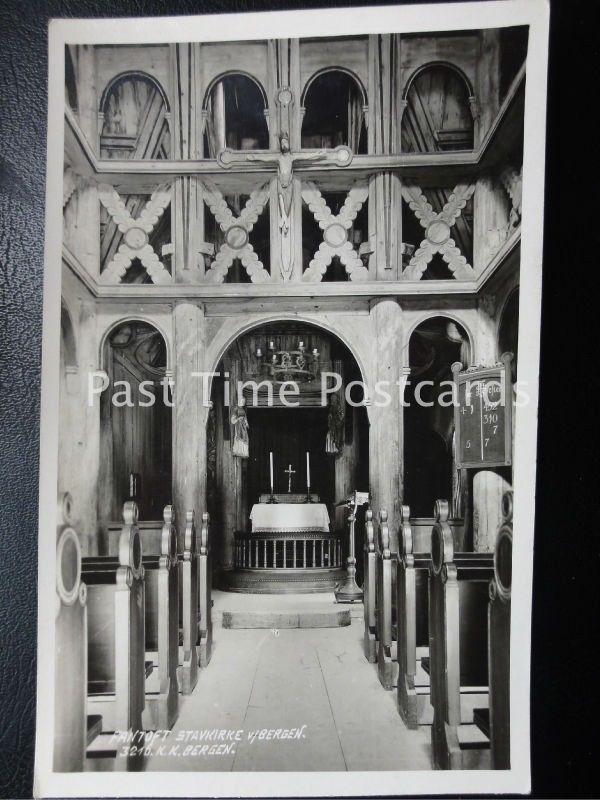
<point>187,672</point>
<point>458,649</point>
<point>70,724</point>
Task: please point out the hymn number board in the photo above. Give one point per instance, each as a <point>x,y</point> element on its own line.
<point>482,415</point>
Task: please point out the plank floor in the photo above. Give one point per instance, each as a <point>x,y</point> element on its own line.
<point>278,680</point>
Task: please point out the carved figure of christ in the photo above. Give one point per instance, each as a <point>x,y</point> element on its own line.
<point>286,160</point>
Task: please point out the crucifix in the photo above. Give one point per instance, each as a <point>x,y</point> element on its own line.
<point>285,160</point>
<point>289,472</point>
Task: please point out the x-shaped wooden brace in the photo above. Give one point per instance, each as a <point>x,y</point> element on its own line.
<point>437,232</point>
<point>335,233</point>
<point>136,241</point>
<point>237,234</point>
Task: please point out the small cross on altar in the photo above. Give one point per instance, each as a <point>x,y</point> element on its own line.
<point>289,472</point>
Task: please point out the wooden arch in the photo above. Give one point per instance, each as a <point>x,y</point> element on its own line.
<point>140,75</point>
<point>438,64</point>
<point>234,73</point>
<point>323,71</point>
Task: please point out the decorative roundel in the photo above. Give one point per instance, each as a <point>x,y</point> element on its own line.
<point>135,550</point>
<point>438,231</point>
<point>503,561</point>
<point>284,96</point>
<point>135,238</point>
<point>343,155</point>
<point>68,566</point>
<point>335,235</point>
<point>236,237</point>
<point>507,506</point>
<point>437,549</point>
<point>65,508</point>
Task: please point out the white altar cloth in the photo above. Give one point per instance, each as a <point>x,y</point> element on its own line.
<point>293,517</point>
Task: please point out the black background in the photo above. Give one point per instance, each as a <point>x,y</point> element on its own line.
<point>566,576</point>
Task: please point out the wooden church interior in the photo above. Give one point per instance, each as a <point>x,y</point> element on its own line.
<point>187,249</point>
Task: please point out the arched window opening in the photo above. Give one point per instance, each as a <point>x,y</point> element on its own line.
<point>135,122</point>
<point>508,331</point>
<point>438,112</point>
<point>235,116</point>
<point>430,473</point>
<point>135,420</point>
<point>334,112</point>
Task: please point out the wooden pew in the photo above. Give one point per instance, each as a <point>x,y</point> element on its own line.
<point>412,602</point>
<point>458,649</point>
<point>387,665</point>
<point>188,563</point>
<point>161,622</point>
<point>205,586</point>
<point>115,642</point>
<point>369,590</point>
<point>70,719</point>
<point>499,644</point>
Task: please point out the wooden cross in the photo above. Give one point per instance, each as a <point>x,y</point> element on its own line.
<point>284,161</point>
<point>289,472</point>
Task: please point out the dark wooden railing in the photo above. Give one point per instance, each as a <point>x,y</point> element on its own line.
<point>314,550</point>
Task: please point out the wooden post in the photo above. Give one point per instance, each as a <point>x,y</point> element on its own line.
<point>188,671</point>
<point>205,585</point>
<point>70,648</point>
<point>369,590</point>
<point>190,411</point>
<point>385,435</point>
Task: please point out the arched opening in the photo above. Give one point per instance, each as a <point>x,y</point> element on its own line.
<point>429,472</point>
<point>508,331</point>
<point>235,108</point>
<point>241,437</point>
<point>135,423</point>
<point>438,111</point>
<point>135,125</point>
<point>334,112</point>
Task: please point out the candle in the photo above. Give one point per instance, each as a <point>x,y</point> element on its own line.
<point>258,352</point>
<point>301,345</point>
<point>307,469</point>
<point>271,345</point>
<point>271,467</point>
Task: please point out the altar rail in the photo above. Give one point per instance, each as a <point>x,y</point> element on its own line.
<point>310,550</point>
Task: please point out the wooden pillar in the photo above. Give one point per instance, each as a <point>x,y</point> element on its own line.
<point>385,434</point>
<point>490,204</point>
<point>385,207</point>
<point>190,412</point>
<point>187,131</point>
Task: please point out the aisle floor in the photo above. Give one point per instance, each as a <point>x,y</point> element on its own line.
<point>312,686</point>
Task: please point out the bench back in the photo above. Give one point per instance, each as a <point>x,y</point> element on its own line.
<point>116,651</point>
<point>458,595</point>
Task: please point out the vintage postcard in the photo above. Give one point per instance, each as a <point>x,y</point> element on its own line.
<point>290,377</point>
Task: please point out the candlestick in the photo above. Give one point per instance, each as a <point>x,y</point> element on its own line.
<point>258,352</point>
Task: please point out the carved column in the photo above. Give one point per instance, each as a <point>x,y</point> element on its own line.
<point>385,433</point>
<point>190,412</point>
<point>490,205</point>
<point>187,131</point>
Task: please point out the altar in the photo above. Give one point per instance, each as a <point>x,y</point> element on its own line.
<point>288,549</point>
